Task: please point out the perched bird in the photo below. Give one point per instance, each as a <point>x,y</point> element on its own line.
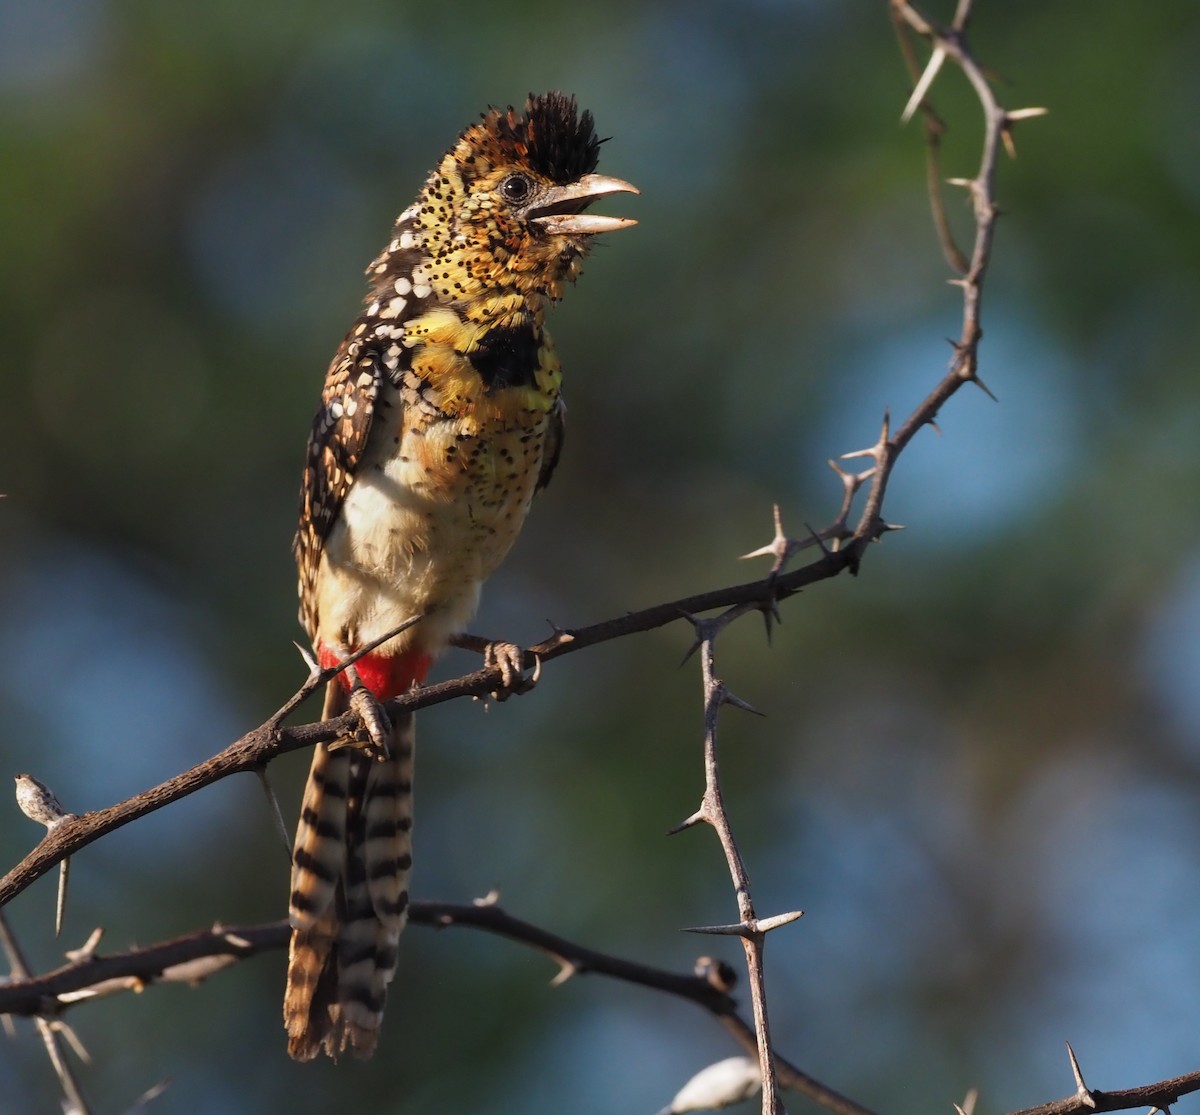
<point>440,418</point>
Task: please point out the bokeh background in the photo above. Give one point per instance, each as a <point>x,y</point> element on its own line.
<point>979,772</point>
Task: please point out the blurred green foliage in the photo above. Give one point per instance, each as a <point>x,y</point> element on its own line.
<point>980,768</point>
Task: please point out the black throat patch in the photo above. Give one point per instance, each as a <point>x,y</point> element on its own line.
<point>507,356</point>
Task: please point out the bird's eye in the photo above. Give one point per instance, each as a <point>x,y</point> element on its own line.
<point>515,188</point>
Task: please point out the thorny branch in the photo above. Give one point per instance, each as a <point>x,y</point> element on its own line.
<point>947,43</point>
<point>871,525</point>
<point>194,957</point>
<point>712,811</point>
<point>259,747</point>
<point>191,958</point>
<point>51,1031</point>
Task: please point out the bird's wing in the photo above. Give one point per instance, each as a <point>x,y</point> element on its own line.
<point>335,447</point>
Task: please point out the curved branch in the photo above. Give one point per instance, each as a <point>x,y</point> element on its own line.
<point>191,958</point>
<point>253,751</point>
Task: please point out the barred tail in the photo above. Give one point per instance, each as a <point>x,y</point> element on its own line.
<point>349,901</point>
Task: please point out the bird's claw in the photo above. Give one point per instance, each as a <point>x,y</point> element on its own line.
<point>509,659</point>
<point>374,737</point>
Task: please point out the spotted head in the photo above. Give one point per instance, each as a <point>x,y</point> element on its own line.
<point>507,204</point>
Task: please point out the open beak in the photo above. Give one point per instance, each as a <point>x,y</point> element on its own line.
<point>560,209</point>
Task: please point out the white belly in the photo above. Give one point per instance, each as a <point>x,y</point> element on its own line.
<point>397,551</point>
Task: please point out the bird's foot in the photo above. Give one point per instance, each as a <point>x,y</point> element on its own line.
<point>509,659</point>
<point>374,736</point>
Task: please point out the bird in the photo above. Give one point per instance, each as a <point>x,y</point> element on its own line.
<point>440,418</point>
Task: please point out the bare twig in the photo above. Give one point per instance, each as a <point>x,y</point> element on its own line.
<point>934,130</point>
<point>193,957</point>
<point>50,1030</point>
<point>712,811</point>
<point>949,43</point>
<point>259,747</point>
<point>1161,1095</point>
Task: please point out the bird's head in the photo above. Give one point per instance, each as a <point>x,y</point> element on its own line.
<point>509,201</point>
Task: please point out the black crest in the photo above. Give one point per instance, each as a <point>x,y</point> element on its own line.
<point>561,142</point>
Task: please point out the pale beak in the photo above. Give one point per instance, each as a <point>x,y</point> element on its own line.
<point>561,207</point>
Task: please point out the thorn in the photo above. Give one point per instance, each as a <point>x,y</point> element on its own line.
<point>1010,144</point>
<point>781,547</point>
<point>770,614</point>
<point>984,388</point>
<point>559,636</point>
<point>1016,114</point>
<point>771,549</point>
<point>741,929</point>
<point>565,971</point>
<point>276,812</point>
<point>313,668</point>
<point>965,183</point>
<point>969,1102</point>
<point>922,87</point>
<point>733,699</point>
<point>777,518</point>
<point>765,925</point>
<point>687,822</point>
<point>60,906</point>
<point>818,541</point>
<point>87,950</point>
<point>72,1039</point>
<point>152,1093</point>
<point>1081,1089</point>
<point>697,643</point>
<point>698,625</point>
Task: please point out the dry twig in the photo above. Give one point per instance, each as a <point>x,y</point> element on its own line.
<point>192,958</point>
<point>52,1031</point>
<point>712,811</point>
